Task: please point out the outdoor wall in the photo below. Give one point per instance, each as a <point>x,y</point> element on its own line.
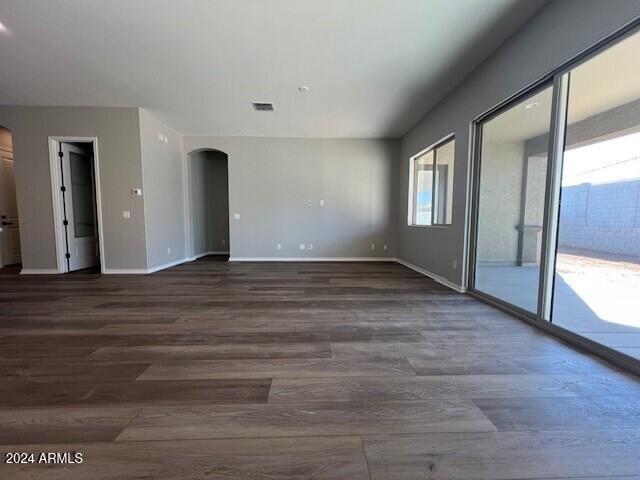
<point>558,32</point>
<point>118,135</point>
<point>502,168</point>
<point>271,181</point>
<point>163,192</point>
<point>604,218</point>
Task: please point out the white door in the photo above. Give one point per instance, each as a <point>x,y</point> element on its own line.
<point>9,225</point>
<point>79,207</point>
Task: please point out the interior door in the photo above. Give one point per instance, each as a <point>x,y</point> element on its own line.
<point>9,224</point>
<point>80,207</point>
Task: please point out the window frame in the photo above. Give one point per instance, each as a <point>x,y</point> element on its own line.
<point>413,181</point>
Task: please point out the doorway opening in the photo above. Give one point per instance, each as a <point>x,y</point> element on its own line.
<point>10,252</point>
<point>76,199</point>
<point>208,204</point>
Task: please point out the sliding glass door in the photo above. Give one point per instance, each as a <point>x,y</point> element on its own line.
<point>556,210</point>
<point>513,165</point>
<point>597,266</point>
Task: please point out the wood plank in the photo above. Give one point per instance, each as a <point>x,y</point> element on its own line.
<point>504,455</point>
<point>27,393</point>
<point>157,353</point>
<point>560,413</point>
<point>384,389</point>
<point>331,418</point>
<point>277,368</point>
<point>63,425</point>
<point>318,458</point>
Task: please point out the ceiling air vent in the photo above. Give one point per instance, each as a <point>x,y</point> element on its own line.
<point>263,106</point>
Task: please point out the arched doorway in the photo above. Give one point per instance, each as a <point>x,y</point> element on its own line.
<point>208,204</point>
<point>10,252</point>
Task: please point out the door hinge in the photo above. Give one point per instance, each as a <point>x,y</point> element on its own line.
<point>63,188</point>
<point>67,255</point>
<point>65,222</point>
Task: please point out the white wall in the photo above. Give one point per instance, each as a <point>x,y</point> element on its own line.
<point>271,181</point>
<point>162,167</point>
<point>120,170</point>
<point>558,32</point>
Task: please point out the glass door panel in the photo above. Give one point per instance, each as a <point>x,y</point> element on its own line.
<point>513,165</point>
<point>597,277</point>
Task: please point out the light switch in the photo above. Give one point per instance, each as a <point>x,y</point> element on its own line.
<point>126,214</point>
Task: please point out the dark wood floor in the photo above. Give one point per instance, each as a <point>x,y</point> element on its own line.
<point>298,371</point>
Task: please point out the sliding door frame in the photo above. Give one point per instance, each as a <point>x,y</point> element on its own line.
<point>475,196</point>
<point>542,318</point>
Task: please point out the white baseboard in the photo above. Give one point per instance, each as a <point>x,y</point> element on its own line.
<point>312,259</point>
<point>433,276</point>
<point>39,271</point>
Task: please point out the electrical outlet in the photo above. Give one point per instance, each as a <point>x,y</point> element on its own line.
<point>168,249</point>
<point>302,246</point>
<point>455,264</point>
<point>236,216</point>
<point>126,214</point>
<point>322,203</point>
<point>373,246</point>
<point>309,202</point>
<point>279,247</point>
<point>310,246</point>
<point>385,247</point>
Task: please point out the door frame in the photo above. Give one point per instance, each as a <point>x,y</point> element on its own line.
<point>186,187</point>
<point>58,210</point>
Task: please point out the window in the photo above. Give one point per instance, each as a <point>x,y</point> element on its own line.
<point>431,195</point>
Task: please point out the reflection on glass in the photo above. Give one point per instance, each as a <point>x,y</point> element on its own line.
<point>513,164</point>
<point>444,183</point>
<point>597,278</point>
<point>423,177</point>
<point>82,195</point>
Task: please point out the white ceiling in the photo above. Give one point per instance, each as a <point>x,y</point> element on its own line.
<point>374,67</point>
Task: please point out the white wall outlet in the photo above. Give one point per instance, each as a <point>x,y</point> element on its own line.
<point>136,192</point>
<point>322,203</point>
<point>385,247</point>
<point>168,249</point>
<point>279,246</point>
<point>302,246</point>
<point>310,246</point>
<point>126,214</point>
<point>236,216</point>
<point>455,264</point>
<point>373,246</point>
